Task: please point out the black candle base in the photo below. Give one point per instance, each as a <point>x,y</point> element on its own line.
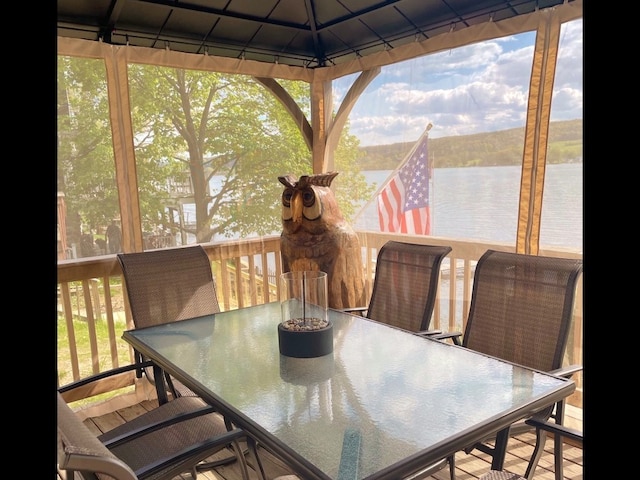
<point>305,343</point>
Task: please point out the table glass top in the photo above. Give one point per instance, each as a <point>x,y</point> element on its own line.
<point>399,392</point>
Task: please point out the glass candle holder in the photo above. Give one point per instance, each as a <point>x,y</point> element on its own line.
<point>305,330</point>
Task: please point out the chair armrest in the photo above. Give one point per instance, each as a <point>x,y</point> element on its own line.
<point>556,428</point>
<point>566,371</point>
<point>454,336</point>
<point>105,374</point>
<point>83,388</point>
<point>429,333</point>
<point>359,310</point>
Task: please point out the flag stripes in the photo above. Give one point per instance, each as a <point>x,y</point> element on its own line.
<point>404,203</point>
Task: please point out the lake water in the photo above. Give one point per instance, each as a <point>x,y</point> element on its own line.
<point>482,203</point>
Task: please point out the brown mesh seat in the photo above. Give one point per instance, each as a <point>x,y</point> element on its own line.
<point>139,448</point>
<point>405,285</point>
<point>166,286</point>
<point>521,311</point>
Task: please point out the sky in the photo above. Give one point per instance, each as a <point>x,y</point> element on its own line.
<point>473,89</point>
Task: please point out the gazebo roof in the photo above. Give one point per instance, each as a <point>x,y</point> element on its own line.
<point>304,33</point>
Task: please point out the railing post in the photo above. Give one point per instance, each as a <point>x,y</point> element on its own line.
<point>94,285</point>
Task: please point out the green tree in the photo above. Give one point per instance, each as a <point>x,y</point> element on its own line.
<point>351,187</point>
<point>189,127</point>
<point>86,171</point>
<point>210,124</point>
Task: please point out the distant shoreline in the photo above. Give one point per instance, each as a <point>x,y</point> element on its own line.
<point>501,148</point>
<point>573,161</point>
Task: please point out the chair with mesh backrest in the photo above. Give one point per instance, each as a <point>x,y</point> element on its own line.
<point>405,285</point>
<point>170,285</point>
<point>521,311</point>
<point>157,445</point>
<point>404,296</point>
<point>167,286</point>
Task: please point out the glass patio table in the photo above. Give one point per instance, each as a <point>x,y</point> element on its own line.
<point>384,405</point>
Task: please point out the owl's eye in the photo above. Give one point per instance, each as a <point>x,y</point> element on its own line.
<point>312,209</point>
<point>286,197</point>
<point>308,197</point>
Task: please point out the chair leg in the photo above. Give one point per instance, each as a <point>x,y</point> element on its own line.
<point>558,444</point>
<point>253,451</point>
<point>241,459</point>
<point>558,452</point>
<point>203,466</point>
<point>238,455</point>
<point>161,390</point>
<point>541,438</point>
<point>452,467</point>
<point>499,449</point>
<point>169,382</point>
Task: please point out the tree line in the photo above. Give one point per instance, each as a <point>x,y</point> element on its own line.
<point>499,148</point>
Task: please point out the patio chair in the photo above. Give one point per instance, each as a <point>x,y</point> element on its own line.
<point>140,449</point>
<point>405,285</point>
<point>521,311</point>
<point>404,296</point>
<point>542,427</point>
<point>166,286</point>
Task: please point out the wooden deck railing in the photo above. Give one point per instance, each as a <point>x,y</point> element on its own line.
<point>92,311</point>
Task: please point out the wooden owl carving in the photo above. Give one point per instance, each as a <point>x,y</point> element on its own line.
<point>315,236</point>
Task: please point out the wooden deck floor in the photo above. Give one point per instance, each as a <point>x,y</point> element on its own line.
<point>468,466</point>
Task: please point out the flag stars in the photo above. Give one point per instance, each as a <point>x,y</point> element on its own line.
<point>414,176</point>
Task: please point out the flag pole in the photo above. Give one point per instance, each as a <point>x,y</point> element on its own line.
<point>374,197</point>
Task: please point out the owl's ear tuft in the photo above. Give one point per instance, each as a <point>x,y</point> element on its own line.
<point>288,181</point>
<point>322,179</point>
<point>303,181</point>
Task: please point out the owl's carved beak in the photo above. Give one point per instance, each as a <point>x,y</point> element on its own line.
<point>296,209</point>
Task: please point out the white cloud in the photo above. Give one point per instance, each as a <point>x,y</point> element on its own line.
<point>477,88</point>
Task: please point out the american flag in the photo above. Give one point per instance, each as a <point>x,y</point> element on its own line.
<point>404,204</point>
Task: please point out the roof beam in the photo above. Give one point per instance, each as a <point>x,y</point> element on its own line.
<point>312,26</point>
<point>225,13</point>
<point>317,43</point>
<point>114,13</point>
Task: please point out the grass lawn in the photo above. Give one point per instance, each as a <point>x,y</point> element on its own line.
<point>81,331</point>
